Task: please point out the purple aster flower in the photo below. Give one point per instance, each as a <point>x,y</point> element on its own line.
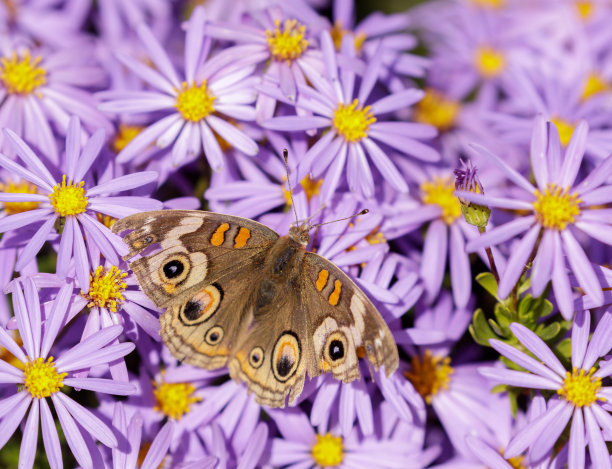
<point>195,108</point>
<point>40,90</point>
<point>558,208</point>
<point>73,200</point>
<point>394,444</point>
<point>282,41</point>
<point>41,376</point>
<point>580,392</point>
<point>564,102</point>
<point>356,129</point>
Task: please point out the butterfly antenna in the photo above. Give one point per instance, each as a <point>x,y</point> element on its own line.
<point>362,212</point>
<point>286,158</point>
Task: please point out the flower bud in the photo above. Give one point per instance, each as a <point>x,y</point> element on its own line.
<point>467,180</point>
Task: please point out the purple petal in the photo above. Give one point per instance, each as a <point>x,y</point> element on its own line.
<point>510,172</point>
<point>596,177</point>
<point>34,244</point>
<point>255,448</point>
<point>581,267</point>
<point>517,261</point>
<point>386,167</point>
<point>134,435</point>
<point>72,433</point>
<point>9,404</point>
<point>88,346</point>
<point>599,231</point>
<point>159,447</point>
<point>395,101</point>
<point>123,183</point>
<point>11,421</point>
<point>94,426</point>
<point>347,409</point>
<point>330,182</point>
<point>537,428</point>
<point>107,386</point>
<point>580,337</point>
<point>212,150</point>
<point>538,347</point>
<point>80,254</point>
<point>33,305</point>
<point>363,405</point>
<point>573,155</point>
<point>53,450</point>
<point>601,341</point>
<point>500,234</point>
<point>232,134</point>
<point>517,378</point>
<point>543,263</point>
<point>73,145</point>
<point>371,75</point>
<point>29,158</point>
<point>597,446</point>
<point>434,257</point>
<point>295,123</point>
<point>576,441</point>
<point>145,319</point>
<point>459,268</point>
<point>499,202</point>
<point>102,237</point>
<point>193,42</point>
<point>23,322</point>
<point>485,454</point>
<point>103,356</point>
<point>538,152</point>
<point>560,281</point>
<point>64,254</point>
<point>146,138</point>
<point>158,55</point>
<point>324,401</point>
<point>23,173</point>
<point>8,343</point>
<point>29,441</point>
<point>544,443</point>
<point>18,220</point>
<point>525,361</point>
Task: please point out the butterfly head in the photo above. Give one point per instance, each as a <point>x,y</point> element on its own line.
<point>300,234</point>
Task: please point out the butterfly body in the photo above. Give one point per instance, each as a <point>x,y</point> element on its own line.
<point>239,295</point>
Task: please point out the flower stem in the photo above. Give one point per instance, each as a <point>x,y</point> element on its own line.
<point>482,230</point>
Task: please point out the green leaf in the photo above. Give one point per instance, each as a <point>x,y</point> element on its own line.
<point>480,330</point>
<point>488,282</point>
<point>548,332</point>
<point>564,349</point>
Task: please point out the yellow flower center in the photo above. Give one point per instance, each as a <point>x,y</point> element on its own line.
<point>565,130</point>
<point>584,9</point>
<point>106,288</point>
<point>287,43</point>
<point>338,33</point>
<point>68,199</point>
<point>106,220</point>
<point>440,191</point>
<point>174,399</point>
<point>22,187</point>
<point>493,4</point>
<point>41,378</point>
<point>352,121</point>
<point>22,75</point>
<point>517,462</point>
<point>594,84</point>
<point>311,187</point>
<point>195,102</point>
<point>7,356</point>
<point>556,207</point>
<point>328,450</point>
<point>125,134</point>
<point>490,62</point>
<point>437,110</point>
<point>429,374</point>
<point>580,388</point>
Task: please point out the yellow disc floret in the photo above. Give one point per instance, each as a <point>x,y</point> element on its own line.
<point>41,379</point>
<point>440,191</point>
<point>328,450</point>
<point>585,9</point>
<point>195,102</point>
<point>593,85</point>
<point>437,110</point>
<point>22,75</point>
<point>174,399</point>
<point>68,199</point>
<point>311,188</point>
<point>556,208</point>
<point>125,134</point>
<point>287,42</point>
<point>106,288</point>
<point>580,388</point>
<point>565,129</point>
<point>22,187</point>
<point>429,374</point>
<point>338,32</point>
<point>490,62</point>
<point>493,4</point>
<point>353,121</point>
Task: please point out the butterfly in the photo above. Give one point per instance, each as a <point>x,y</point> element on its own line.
<point>238,294</point>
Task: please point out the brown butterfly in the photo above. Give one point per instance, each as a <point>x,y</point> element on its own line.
<point>239,294</point>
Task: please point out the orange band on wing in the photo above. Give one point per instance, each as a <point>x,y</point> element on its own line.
<point>242,237</point>
<point>335,295</point>
<point>219,235</point>
<point>322,280</point>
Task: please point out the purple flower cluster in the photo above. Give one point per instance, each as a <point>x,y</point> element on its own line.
<point>478,135</point>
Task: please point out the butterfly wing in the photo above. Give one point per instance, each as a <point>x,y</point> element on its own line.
<point>321,323</point>
<point>183,251</point>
